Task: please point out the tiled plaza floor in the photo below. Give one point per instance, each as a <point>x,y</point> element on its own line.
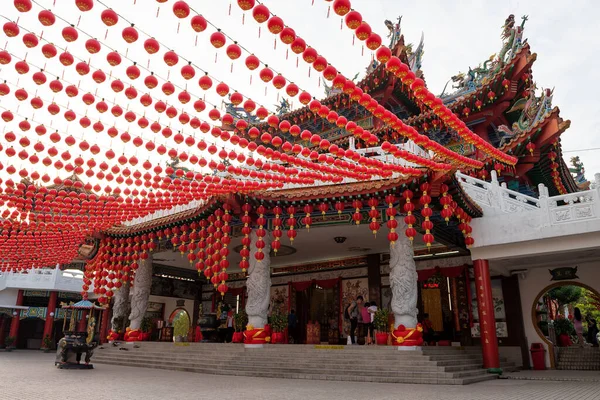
<point>29,375</point>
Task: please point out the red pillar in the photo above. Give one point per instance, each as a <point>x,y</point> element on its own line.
<point>3,319</point>
<point>487,322</point>
<point>16,319</point>
<point>104,326</point>
<point>82,324</point>
<point>49,324</point>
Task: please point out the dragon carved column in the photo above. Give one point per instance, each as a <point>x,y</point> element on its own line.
<point>121,307</point>
<point>141,293</point>
<point>259,283</point>
<point>403,283</point>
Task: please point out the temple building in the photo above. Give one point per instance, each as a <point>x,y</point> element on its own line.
<point>461,227</point>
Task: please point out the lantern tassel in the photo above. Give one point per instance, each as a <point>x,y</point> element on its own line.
<point>328,11</point>
<point>274,44</point>
<point>178,25</point>
<point>341,23</point>
<point>352,40</point>
<point>259,32</point>
<point>297,59</point>
<point>243,18</point>
<point>157,11</point>
<point>106,34</point>
<point>287,53</point>
<point>229,8</point>
<point>196,41</point>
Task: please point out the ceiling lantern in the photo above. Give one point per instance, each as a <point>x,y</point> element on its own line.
<point>84,5</point>
<point>260,13</point>
<point>181,9</point>
<point>130,34</point>
<point>217,39</point>
<point>199,23</point>
<point>109,17</point>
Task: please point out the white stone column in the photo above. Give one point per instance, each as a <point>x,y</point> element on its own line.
<point>121,306</point>
<point>259,283</point>
<point>141,293</point>
<point>403,279</point>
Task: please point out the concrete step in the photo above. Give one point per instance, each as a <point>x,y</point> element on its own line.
<point>381,378</point>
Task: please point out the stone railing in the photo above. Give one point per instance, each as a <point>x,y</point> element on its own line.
<point>165,213</point>
<point>42,279</point>
<point>496,199</point>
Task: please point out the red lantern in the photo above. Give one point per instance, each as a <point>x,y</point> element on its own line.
<point>205,82</point>
<point>151,45</point>
<point>298,45</point>
<point>84,5</point>
<point>260,13</point>
<point>187,71</point>
<point>234,51</point>
<point>353,19</point>
<point>252,62</point>
<point>23,5</point>
<point>266,75</point>
<point>275,25</point>
<point>70,34</point>
<point>46,17</point>
<point>246,4</point>
<point>217,39</point>
<point>181,9</point>
<point>363,31</point>
<point>373,42</point>
<point>130,34</point>
<point>287,35</point>
<point>279,81</point>
<point>199,23</point>
<point>171,58</point>
<point>109,17</point>
<point>11,29</point>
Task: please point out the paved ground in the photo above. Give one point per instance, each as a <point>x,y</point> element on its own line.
<point>30,375</point>
<point>555,375</point>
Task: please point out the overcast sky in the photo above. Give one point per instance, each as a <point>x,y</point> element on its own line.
<point>458,34</point>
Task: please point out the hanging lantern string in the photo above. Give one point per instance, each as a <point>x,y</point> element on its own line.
<point>169,47</point>
<point>447,152</point>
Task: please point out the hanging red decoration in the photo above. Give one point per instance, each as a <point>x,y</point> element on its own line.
<point>151,45</point>
<point>130,34</point>
<point>70,34</point>
<point>205,82</point>
<point>199,23</point>
<point>298,45</point>
<point>266,74</point>
<point>426,212</point>
<point>46,18</point>
<point>84,5</point>
<point>222,89</point>
<point>363,31</point>
<point>187,71</point>
<point>252,62</point>
<point>287,35</point>
<point>23,5</point>
<point>341,7</point>
<point>409,219</point>
<point>275,25</point>
<point>171,58</point>
<point>234,51</point>
<point>261,13</point>
<point>353,19</point>
<point>217,39</point>
<point>109,17</point>
<point>11,29</point>
<point>181,9</point>
<point>291,222</point>
<point>373,42</point>
<point>246,4</point>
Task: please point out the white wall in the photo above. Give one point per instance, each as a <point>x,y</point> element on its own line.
<point>171,305</point>
<point>539,278</point>
<point>8,297</point>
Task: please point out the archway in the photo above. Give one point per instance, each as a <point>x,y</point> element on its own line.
<point>552,314</point>
<point>181,322</point>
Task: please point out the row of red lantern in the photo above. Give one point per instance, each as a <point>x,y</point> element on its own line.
<point>372,105</point>
<point>118,111</point>
<point>263,134</point>
<point>323,112</point>
<point>328,112</point>
<point>555,173</point>
<point>417,86</point>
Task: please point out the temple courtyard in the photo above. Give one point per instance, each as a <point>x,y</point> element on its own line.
<point>18,369</point>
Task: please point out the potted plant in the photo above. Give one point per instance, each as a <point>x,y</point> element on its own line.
<point>10,343</point>
<point>146,328</point>
<point>47,344</point>
<point>240,320</point>
<point>380,321</point>
<point>563,329</point>
<point>279,322</point>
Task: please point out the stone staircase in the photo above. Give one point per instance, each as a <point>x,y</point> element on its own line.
<point>431,365</point>
<point>578,358</point>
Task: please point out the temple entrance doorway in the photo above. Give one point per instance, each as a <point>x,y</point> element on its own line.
<point>31,333</point>
<point>317,306</point>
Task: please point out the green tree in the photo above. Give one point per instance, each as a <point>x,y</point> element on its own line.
<point>588,304</point>
<point>566,294</point>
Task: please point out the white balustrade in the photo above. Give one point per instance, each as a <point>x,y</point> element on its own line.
<point>43,279</point>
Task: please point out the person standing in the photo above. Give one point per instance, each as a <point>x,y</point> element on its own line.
<point>292,324</point>
<point>353,314</point>
<point>229,335</point>
<point>592,332</point>
<point>372,310</point>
